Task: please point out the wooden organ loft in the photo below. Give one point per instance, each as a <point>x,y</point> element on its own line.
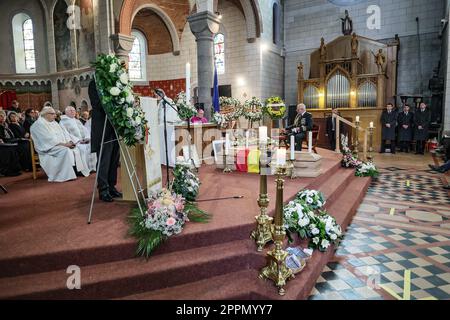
<point>352,73</point>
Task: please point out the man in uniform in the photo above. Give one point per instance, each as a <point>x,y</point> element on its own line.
<point>388,124</point>
<point>405,122</point>
<point>422,119</point>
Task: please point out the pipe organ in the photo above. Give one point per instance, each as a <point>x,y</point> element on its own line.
<point>352,73</point>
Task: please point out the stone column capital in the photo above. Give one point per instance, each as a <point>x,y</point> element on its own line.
<point>204,25</point>
<point>122,45</point>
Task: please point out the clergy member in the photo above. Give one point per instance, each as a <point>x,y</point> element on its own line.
<point>79,135</point>
<point>303,123</point>
<point>57,154</point>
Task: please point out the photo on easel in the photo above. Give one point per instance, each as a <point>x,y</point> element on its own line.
<point>193,155</point>
<point>218,148</point>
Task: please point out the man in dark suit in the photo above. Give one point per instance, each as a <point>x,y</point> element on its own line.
<point>388,124</point>
<point>331,128</point>
<point>303,123</point>
<point>422,119</point>
<point>109,162</point>
<point>405,120</point>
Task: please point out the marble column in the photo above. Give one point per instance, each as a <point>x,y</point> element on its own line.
<point>204,25</point>
<point>122,45</point>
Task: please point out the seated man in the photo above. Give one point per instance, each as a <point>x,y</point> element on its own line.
<point>200,117</point>
<point>79,135</point>
<point>303,123</point>
<point>57,154</point>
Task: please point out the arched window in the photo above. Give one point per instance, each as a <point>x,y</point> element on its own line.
<point>275,23</point>
<point>23,36</point>
<point>137,58</point>
<point>219,52</point>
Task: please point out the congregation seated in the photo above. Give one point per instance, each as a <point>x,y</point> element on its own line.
<point>200,117</point>
<point>59,157</point>
<point>30,118</point>
<point>12,135</point>
<point>79,135</point>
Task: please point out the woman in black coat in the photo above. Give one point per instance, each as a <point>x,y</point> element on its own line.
<point>405,121</point>
<point>422,119</point>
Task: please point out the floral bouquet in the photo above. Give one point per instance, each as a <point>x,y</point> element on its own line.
<point>165,216</point>
<point>297,217</point>
<point>252,109</point>
<point>219,119</point>
<point>230,108</point>
<point>275,108</point>
<point>349,161</point>
<point>312,198</point>
<point>185,110</point>
<point>367,169</point>
<point>118,100</point>
<point>185,182</point>
<point>323,232</point>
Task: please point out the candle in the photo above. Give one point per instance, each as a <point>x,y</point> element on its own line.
<point>371,124</point>
<point>357,118</point>
<point>247,134</point>
<point>188,82</point>
<point>292,147</point>
<point>227,144</point>
<point>309,141</point>
<point>281,157</point>
<point>262,134</point>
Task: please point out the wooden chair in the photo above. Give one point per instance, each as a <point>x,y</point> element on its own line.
<point>34,159</point>
<point>315,137</point>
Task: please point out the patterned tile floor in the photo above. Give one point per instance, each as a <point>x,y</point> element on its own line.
<point>398,246</point>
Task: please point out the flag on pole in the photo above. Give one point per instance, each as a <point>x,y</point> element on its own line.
<point>215,101</point>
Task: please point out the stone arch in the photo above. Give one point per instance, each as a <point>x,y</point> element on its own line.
<point>128,13</point>
<point>253,18</point>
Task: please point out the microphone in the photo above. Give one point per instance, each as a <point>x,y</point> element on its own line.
<point>160,92</point>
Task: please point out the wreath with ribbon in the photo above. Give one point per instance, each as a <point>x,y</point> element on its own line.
<point>275,108</point>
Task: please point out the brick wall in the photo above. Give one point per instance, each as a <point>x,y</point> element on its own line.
<point>170,87</point>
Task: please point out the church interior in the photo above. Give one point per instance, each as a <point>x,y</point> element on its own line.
<point>225,150</point>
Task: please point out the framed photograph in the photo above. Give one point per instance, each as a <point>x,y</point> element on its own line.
<point>218,148</point>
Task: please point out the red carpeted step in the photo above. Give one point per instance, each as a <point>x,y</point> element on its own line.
<point>117,279</point>
<point>336,183</point>
<point>230,286</point>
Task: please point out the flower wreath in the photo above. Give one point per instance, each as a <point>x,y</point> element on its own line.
<point>275,108</point>
<point>252,109</point>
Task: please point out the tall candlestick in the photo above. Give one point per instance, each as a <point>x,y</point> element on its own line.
<point>227,144</point>
<point>357,118</point>
<point>188,82</point>
<point>281,157</point>
<point>292,147</point>
<point>262,134</point>
<point>309,141</point>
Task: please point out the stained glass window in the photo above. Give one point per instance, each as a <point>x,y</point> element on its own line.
<point>219,53</point>
<point>136,65</point>
<point>28,43</point>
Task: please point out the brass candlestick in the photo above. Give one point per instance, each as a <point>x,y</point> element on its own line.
<point>370,153</point>
<point>356,147</point>
<point>276,268</point>
<point>263,232</point>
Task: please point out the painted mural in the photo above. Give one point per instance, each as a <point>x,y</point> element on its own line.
<point>74,34</point>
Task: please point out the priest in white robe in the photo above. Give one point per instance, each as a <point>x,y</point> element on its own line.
<point>57,154</point>
<point>79,135</point>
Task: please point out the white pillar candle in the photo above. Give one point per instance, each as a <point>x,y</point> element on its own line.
<point>281,157</point>
<point>371,124</point>
<point>262,134</point>
<point>247,135</point>
<point>309,141</point>
<point>292,147</point>
<point>188,82</point>
<point>357,118</point>
<point>227,144</point>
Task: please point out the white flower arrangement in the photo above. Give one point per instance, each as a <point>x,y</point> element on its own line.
<point>324,231</point>
<point>185,109</point>
<point>313,198</point>
<point>219,119</point>
<point>297,217</point>
<point>252,109</point>
<point>367,169</point>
